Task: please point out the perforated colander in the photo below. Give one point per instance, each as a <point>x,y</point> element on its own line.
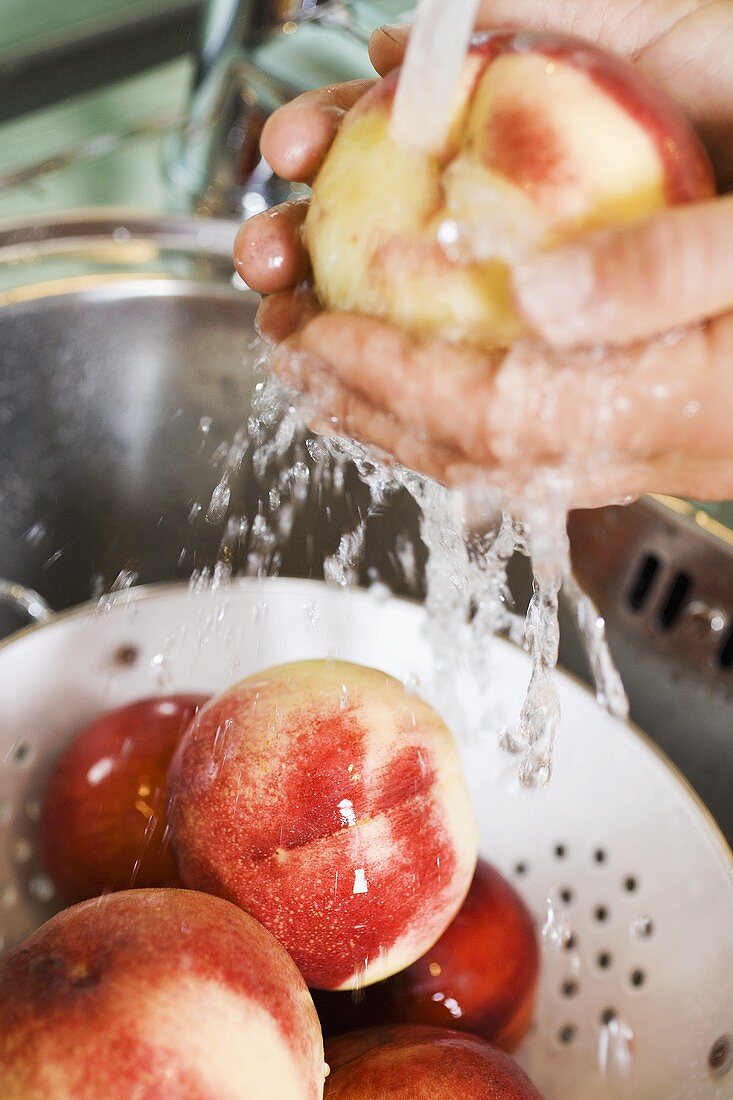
<point>626,873</point>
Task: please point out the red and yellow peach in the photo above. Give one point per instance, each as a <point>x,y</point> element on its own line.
<point>158,995</point>
<point>329,803</point>
<point>422,1063</point>
<point>481,976</point>
<point>103,821</point>
<point>550,136</point>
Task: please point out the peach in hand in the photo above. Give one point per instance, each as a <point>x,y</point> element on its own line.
<point>550,136</point>
<point>481,976</point>
<point>421,1063</point>
<point>329,803</point>
<point>103,822</point>
<point>158,995</point>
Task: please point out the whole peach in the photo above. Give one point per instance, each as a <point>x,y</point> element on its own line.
<point>156,995</point>
<point>327,801</point>
<point>422,1063</point>
<point>103,822</point>
<point>550,136</point>
<point>481,976</point>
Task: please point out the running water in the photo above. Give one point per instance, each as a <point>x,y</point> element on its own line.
<point>468,598</point>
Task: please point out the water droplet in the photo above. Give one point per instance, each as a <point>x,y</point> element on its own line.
<point>642,928</point>
<point>360,883</point>
<point>346,812</point>
<point>35,535</point>
<point>615,1048</point>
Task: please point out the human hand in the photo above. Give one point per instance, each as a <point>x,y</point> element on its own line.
<point>651,415</point>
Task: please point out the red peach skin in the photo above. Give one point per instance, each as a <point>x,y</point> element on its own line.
<point>103,823</point>
<point>551,137</point>
<point>422,1063</point>
<point>328,802</point>
<point>481,976</point>
<point>156,995</point>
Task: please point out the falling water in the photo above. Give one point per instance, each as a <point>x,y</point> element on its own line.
<point>468,599</point>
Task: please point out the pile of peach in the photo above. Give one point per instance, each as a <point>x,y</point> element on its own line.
<point>305,862</point>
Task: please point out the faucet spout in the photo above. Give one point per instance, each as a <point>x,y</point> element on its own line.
<point>216,167</point>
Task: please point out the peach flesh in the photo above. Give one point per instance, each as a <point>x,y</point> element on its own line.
<point>551,136</point>
<point>103,822</point>
<point>421,1063</point>
<point>481,976</point>
<point>157,995</point>
<point>328,802</point>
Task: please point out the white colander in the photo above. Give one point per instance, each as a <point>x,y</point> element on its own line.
<point>620,862</point>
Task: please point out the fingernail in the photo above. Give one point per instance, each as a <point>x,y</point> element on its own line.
<point>397,32</point>
<point>557,293</point>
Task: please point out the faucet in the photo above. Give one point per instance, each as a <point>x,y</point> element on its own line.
<point>216,167</point>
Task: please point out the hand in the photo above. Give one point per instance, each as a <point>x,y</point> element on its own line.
<point>654,413</point>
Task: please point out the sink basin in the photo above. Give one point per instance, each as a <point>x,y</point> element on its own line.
<point>122,385</point>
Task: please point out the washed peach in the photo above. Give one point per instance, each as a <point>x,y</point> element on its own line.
<point>103,823</point>
<point>549,136</point>
<point>481,976</point>
<point>422,1063</point>
<point>327,801</point>
<point>157,995</point>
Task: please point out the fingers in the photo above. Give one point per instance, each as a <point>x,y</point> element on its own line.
<point>437,389</point>
<point>632,405</point>
<point>281,315</point>
<point>337,410</point>
<point>269,253</point>
<point>621,285</point>
<point>654,418</point>
<point>625,27</point>
<point>297,137</point>
<point>533,407</point>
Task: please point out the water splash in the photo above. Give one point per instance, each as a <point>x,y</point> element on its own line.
<point>342,568</point>
<point>468,597</point>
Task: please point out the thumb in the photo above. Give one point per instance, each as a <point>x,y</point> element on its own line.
<point>627,283</point>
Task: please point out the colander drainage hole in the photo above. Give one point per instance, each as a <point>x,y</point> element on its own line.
<point>21,754</point>
<point>600,855</point>
<point>569,988</point>
<point>720,1058</point>
<point>608,1016</point>
<point>566,1034</point>
<point>520,869</point>
<point>631,884</point>
<point>571,942</point>
<point>566,895</point>
<point>604,960</point>
<point>637,978</point>
<point>126,655</point>
<point>560,851</point>
<point>601,914</point>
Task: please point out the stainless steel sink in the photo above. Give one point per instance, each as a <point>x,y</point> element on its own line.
<point>121,387</point>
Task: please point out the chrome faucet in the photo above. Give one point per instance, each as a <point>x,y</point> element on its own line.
<point>215,165</point>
